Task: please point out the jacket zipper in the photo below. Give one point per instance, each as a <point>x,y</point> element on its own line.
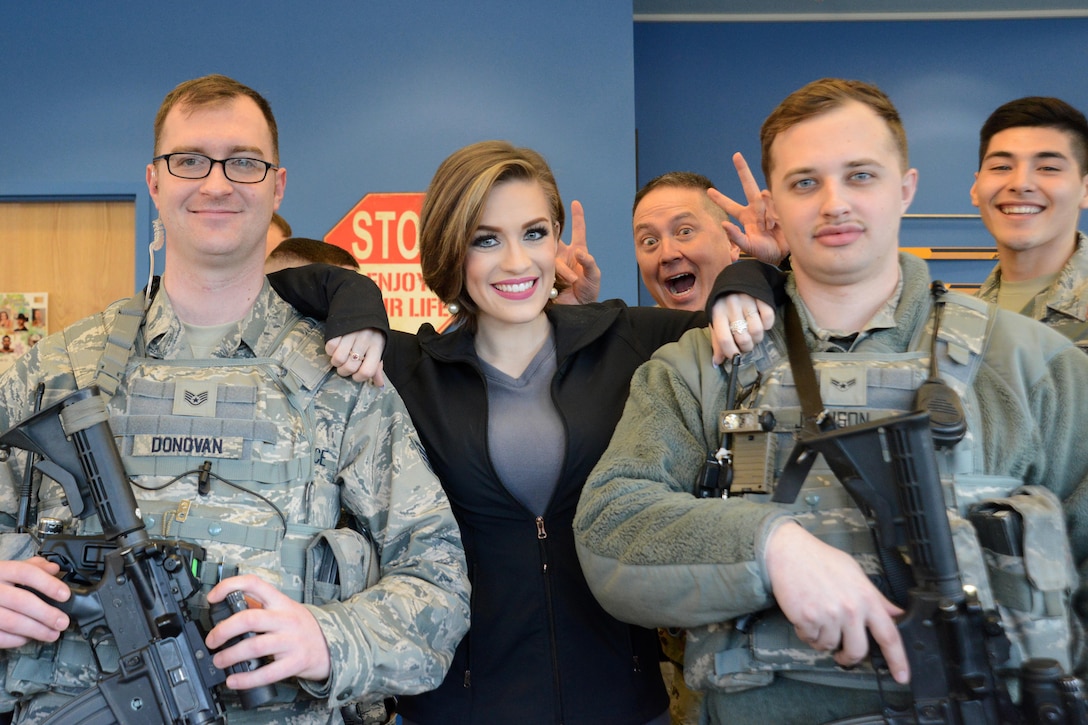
<point>467,682</point>
<point>542,537</point>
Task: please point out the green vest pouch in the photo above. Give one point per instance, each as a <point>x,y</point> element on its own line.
<point>1026,552</point>
<point>339,563</point>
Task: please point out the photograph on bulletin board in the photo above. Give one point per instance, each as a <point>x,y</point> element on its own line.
<point>23,322</point>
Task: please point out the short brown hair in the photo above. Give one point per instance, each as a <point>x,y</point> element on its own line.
<point>282,224</point>
<point>823,96</point>
<point>312,251</point>
<point>212,90</point>
<point>680,180</point>
<point>454,204</point>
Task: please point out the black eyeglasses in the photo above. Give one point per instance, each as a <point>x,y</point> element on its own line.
<point>240,170</point>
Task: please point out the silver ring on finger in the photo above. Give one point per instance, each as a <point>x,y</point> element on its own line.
<point>752,313</point>
<point>356,356</point>
<point>739,327</point>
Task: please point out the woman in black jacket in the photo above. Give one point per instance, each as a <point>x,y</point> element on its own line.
<point>513,408</point>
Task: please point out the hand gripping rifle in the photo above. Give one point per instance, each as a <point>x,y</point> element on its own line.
<point>124,584</point>
<point>954,647</point>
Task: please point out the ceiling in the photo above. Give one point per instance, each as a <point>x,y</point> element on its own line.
<point>779,10</point>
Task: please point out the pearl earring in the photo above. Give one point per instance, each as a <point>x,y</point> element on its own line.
<point>453,308</point>
<point>553,294</point>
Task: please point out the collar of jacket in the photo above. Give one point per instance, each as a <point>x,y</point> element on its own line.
<point>254,336</point>
<point>575,327</point>
<point>914,303</point>
<point>1069,293</point>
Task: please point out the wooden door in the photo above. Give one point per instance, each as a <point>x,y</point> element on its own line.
<point>82,253</point>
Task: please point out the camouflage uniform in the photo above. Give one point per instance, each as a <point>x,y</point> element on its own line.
<point>658,558</point>
<point>312,444</point>
<point>1064,305</point>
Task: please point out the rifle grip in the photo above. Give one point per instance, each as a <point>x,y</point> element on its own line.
<point>233,603</point>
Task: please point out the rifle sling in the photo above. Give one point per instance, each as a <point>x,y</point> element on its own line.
<point>815,420</point>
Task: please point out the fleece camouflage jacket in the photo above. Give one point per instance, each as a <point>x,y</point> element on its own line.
<point>657,556</point>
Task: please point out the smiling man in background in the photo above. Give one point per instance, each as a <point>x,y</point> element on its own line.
<point>1031,185</point>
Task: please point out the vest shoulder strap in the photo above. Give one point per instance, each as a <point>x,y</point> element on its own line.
<point>120,339</point>
<point>966,324</point>
<point>305,370</point>
<point>99,348</point>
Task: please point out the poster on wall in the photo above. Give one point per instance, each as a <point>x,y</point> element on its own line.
<point>23,322</point>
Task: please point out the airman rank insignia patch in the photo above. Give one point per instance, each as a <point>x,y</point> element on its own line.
<point>844,385</point>
<point>195,398</point>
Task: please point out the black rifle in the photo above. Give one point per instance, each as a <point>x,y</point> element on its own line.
<point>124,584</point>
<point>955,647</point>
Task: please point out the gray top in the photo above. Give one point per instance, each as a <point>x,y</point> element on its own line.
<point>524,431</point>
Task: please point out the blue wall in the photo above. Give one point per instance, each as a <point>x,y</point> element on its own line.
<point>371,97</point>
<point>702,91</point>
<point>368,96</point>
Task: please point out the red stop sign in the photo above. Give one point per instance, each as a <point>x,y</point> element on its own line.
<point>382,233</point>
<point>382,228</point>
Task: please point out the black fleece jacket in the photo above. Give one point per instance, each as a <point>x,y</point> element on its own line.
<point>541,650</point>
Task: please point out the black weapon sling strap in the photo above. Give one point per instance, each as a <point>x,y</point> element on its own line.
<point>816,420</point>
<point>814,416</point>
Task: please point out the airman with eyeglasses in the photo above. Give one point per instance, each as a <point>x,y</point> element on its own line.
<point>340,617</point>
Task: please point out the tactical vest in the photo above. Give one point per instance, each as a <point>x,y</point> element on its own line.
<point>261,507</point>
<point>857,387</point>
